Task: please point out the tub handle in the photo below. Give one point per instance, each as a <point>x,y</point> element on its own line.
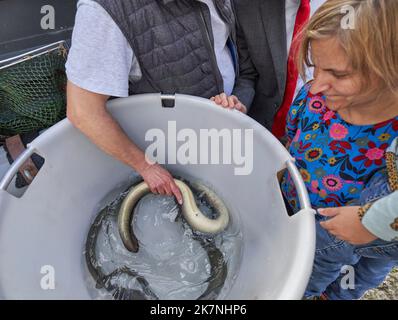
<point>300,186</point>
<point>168,100</point>
<point>14,168</point>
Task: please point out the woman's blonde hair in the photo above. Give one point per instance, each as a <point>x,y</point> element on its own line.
<point>368,37</point>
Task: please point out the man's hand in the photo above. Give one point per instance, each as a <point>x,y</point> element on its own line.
<point>160,181</point>
<point>345,224</point>
<point>231,102</point>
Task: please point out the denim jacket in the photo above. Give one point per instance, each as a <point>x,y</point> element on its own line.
<point>382,217</point>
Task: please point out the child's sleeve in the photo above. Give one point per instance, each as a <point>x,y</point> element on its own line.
<point>293,116</point>
<point>381,219</point>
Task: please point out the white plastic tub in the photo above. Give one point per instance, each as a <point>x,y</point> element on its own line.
<point>48,225</point>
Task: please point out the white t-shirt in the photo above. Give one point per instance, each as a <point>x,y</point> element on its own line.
<point>102,61</point>
<point>221,34</point>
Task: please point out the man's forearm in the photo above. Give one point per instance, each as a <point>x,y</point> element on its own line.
<point>104,131</point>
<point>88,114</point>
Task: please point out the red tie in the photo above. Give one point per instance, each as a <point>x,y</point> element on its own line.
<point>279,125</point>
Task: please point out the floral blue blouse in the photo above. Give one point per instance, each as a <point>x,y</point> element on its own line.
<point>335,158</point>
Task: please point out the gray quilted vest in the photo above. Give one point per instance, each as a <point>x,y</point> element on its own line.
<point>173,42</point>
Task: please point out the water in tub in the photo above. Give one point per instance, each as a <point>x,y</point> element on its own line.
<point>173,262</point>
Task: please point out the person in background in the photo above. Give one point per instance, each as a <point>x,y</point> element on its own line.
<point>268,79</point>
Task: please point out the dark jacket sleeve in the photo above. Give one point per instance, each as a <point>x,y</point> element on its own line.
<point>246,80</point>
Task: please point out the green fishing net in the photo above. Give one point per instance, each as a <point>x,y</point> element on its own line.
<point>32,93</point>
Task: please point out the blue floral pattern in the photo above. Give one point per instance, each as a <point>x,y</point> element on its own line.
<point>335,158</point>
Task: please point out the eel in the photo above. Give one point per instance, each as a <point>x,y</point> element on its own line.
<point>218,266</point>
<point>195,218</point>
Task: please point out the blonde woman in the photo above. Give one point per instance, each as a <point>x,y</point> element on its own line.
<point>340,126</point>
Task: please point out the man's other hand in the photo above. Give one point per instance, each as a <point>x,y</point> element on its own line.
<point>230,102</point>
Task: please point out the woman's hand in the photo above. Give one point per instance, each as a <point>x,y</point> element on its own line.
<point>344,224</point>
<point>231,102</point>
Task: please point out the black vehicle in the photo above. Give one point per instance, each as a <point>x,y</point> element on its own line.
<point>22,22</point>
